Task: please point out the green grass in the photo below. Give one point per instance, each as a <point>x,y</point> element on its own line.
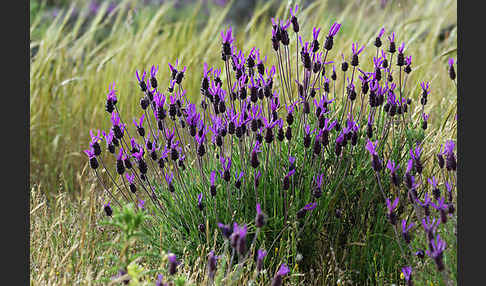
<point>75,61</point>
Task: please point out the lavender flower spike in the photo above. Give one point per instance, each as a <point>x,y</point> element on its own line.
<point>437,248</point>
<point>330,36</point>
<point>260,256</point>
<point>405,230</point>
<point>407,274</point>
<point>278,278</point>
<point>375,162</point>
<point>260,217</point>
<point>391,210</point>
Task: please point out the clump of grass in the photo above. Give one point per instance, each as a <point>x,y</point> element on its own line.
<point>206,169</point>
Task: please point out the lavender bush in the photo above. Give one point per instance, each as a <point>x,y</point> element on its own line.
<point>277,164</point>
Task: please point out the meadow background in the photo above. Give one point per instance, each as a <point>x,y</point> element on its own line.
<point>78,47</point>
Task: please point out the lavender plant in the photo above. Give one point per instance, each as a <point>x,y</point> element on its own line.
<point>271,153</point>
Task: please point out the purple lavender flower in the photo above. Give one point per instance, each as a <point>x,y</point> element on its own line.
<point>415,154</point>
<point>286,180</point>
<point>392,47</point>
<point>278,278</point>
<point>407,274</point>
<point>330,36</point>
<point>212,264</point>
<point>452,72</point>
<point>430,226</point>
<point>212,182</point>
<point>443,208</point>
<point>257,178</point>
<point>378,42</point>
<point>406,230</point>
<point>293,19</point>
<point>425,92</point>
<point>168,178</point>
<point>408,63</point>
<point>225,229</point>
<point>141,81</point>
<point>303,211</point>
<point>107,208</point>
<point>435,189</point>
<point>226,165</point>
<point>227,40</point>
<point>111,98</point>
<point>315,42</point>
<point>318,189</point>
<point>93,162</point>
<point>425,117</point>
<point>425,205</point>
<point>238,179</point>
<point>437,249</point>
<point>261,253</point>
<point>451,163</point>
<point>375,162</point>
<point>172,263</point>
<point>391,210</point>
<point>238,238</point>
<point>356,52</point>
<point>260,217</point>
<point>153,73</point>
<point>118,127</point>
<point>94,143</point>
<point>200,204</point>
<point>393,171</point>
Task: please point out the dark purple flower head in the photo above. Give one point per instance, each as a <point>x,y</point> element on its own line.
<point>172,263</point>
<point>159,281</point>
<point>391,206</point>
<point>425,87</point>
<point>371,147</point>
<point>391,38</point>
<point>261,253</point>
<point>278,278</point>
<point>212,264</point>
<point>392,166</point>
<point>260,217</point>
<point>95,139</point>
<point>107,208</point>
<point>225,229</point>
<point>408,60</point>
<point>407,273</point>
